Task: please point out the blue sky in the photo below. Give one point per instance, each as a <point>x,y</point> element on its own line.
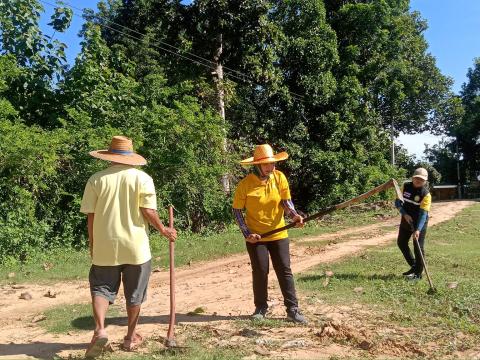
<point>452,37</point>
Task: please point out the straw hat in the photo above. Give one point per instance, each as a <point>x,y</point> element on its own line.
<point>120,151</point>
<point>263,154</point>
<point>420,173</point>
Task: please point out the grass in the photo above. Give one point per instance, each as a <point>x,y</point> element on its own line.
<point>68,264</point>
<point>195,351</point>
<point>69,318</point>
<point>452,256</point>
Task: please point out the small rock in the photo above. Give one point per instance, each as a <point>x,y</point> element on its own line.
<point>264,341</point>
<point>26,296</point>
<point>327,331</point>
<point>298,343</point>
<point>156,270</point>
<point>365,345</point>
<point>328,273</point>
<point>358,290</point>
<point>39,318</point>
<point>248,333</point>
<point>452,285</point>
<point>260,350</point>
<point>11,275</point>
<point>50,294</point>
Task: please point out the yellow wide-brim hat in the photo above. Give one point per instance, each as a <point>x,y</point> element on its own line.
<point>120,151</point>
<point>263,154</point>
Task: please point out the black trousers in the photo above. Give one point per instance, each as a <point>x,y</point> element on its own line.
<point>404,234</point>
<point>279,251</point>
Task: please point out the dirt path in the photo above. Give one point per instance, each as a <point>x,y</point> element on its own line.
<point>222,288</point>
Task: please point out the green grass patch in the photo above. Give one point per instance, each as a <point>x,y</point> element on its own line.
<point>195,351</point>
<point>452,256</point>
<point>68,264</point>
<point>75,317</point>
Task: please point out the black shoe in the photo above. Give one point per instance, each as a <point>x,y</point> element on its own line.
<point>260,313</point>
<point>409,272</point>
<point>414,277</point>
<point>294,314</point>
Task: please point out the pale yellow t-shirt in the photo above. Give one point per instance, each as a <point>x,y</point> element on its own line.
<point>262,203</point>
<point>120,232</point>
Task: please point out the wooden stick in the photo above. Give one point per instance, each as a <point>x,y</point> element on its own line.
<point>171,327</point>
<point>432,288</point>
<point>390,183</point>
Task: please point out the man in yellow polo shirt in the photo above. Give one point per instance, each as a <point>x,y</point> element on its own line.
<point>265,196</point>
<point>120,202</point>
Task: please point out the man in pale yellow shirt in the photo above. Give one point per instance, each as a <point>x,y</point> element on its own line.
<point>120,202</point>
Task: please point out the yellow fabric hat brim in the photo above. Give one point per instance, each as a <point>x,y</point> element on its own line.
<point>133,159</point>
<point>277,157</point>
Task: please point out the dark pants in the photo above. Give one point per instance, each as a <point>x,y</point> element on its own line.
<point>280,253</point>
<point>404,234</point>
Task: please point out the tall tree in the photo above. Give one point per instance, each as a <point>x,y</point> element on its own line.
<point>468,129</point>
<point>41,55</point>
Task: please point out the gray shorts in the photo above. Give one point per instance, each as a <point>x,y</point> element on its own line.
<point>105,281</point>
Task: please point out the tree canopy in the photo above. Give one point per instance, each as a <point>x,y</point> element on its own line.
<point>322,79</point>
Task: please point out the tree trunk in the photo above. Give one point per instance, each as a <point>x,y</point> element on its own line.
<point>221,104</point>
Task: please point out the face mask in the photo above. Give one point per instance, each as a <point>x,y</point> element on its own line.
<point>258,171</point>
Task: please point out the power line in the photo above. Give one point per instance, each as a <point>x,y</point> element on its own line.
<point>162,42</point>
<point>201,61</point>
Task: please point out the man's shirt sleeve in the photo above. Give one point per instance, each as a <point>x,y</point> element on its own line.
<point>148,198</point>
<point>89,199</point>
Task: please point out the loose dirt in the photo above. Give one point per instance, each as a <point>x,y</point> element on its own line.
<point>223,289</point>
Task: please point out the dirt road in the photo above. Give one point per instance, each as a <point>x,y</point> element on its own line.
<point>222,288</point>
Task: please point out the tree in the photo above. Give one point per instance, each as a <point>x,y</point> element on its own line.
<point>42,57</point>
<point>382,45</point>
<point>467,131</point>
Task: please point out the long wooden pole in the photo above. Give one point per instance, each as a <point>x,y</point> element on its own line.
<point>389,184</point>
<point>171,327</point>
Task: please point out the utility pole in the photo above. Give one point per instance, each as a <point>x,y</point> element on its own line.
<point>221,104</point>
<point>458,170</point>
<point>392,138</point>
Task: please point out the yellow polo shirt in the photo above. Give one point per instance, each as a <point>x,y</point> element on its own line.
<point>263,210</point>
<point>120,232</point>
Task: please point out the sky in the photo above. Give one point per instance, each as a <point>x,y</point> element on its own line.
<point>452,36</point>
<point>453,40</point>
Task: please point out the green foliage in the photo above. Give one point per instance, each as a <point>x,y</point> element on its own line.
<point>28,164</point>
<point>320,79</point>
<point>468,129</point>
<point>461,121</point>
<point>386,294</point>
